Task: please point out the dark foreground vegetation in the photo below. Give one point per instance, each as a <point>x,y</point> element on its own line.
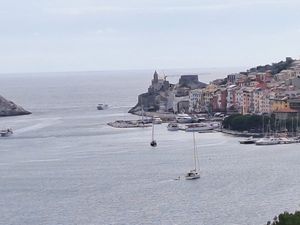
<point>286,219</point>
<point>260,123</point>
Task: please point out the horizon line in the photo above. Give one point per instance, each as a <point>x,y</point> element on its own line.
<point>120,70</point>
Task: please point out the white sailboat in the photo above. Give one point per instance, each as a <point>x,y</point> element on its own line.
<point>194,174</point>
<point>153,143</point>
<point>267,139</point>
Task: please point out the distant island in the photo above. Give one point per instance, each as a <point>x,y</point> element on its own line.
<point>9,108</point>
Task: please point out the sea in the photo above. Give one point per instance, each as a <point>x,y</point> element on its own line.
<point>65,165</point>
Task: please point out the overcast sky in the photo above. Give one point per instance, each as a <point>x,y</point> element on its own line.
<point>79,35</point>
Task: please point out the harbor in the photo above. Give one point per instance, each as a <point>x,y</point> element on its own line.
<point>73,160</point>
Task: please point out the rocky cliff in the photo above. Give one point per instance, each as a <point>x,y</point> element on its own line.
<point>8,108</point>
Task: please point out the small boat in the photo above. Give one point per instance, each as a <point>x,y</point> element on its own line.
<point>198,127</point>
<point>193,174</point>
<point>6,132</point>
<point>215,125</point>
<point>249,140</point>
<point>153,143</point>
<point>285,140</point>
<point>184,118</point>
<point>268,141</point>
<point>173,127</point>
<point>156,120</point>
<point>102,106</point>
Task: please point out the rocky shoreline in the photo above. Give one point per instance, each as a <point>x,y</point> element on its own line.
<point>128,124</point>
<point>239,134</point>
<point>165,117</point>
<point>9,108</point>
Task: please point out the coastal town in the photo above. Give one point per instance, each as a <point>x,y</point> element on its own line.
<point>262,90</point>
<point>261,102</point>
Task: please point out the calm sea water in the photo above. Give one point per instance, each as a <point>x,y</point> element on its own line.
<point>64,165</point>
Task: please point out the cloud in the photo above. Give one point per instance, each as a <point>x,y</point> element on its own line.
<point>163,7</point>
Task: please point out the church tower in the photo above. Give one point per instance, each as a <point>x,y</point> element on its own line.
<point>155,77</point>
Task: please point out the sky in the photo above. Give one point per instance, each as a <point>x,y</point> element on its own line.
<point>92,35</point>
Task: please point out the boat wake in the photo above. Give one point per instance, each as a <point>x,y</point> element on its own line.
<point>41,125</point>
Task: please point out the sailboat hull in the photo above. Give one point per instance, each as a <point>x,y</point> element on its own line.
<point>192,177</point>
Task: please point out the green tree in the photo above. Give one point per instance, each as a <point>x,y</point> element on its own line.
<point>286,219</point>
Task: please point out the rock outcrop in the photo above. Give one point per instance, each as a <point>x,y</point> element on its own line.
<point>162,95</point>
<point>8,108</point>
<point>157,97</point>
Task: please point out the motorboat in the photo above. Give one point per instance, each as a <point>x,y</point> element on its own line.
<point>102,106</point>
<point>198,127</point>
<point>184,118</point>
<point>173,127</point>
<point>249,140</point>
<point>6,132</point>
<point>285,140</point>
<point>268,141</point>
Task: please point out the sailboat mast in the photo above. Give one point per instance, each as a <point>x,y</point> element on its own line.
<point>263,125</point>
<point>292,126</point>
<point>195,162</point>
<point>152,131</point>
<point>297,127</point>
<point>142,112</point>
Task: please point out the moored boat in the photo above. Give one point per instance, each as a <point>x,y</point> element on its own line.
<point>268,141</point>
<point>249,140</point>
<point>173,127</point>
<point>156,120</point>
<point>286,140</point>
<point>184,118</point>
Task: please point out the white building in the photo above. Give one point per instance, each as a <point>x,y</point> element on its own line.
<point>261,101</point>
<point>196,100</point>
<point>231,97</point>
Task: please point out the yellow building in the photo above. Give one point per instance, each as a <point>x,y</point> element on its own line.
<point>281,105</point>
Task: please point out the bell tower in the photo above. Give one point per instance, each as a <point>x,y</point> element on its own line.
<point>155,77</point>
